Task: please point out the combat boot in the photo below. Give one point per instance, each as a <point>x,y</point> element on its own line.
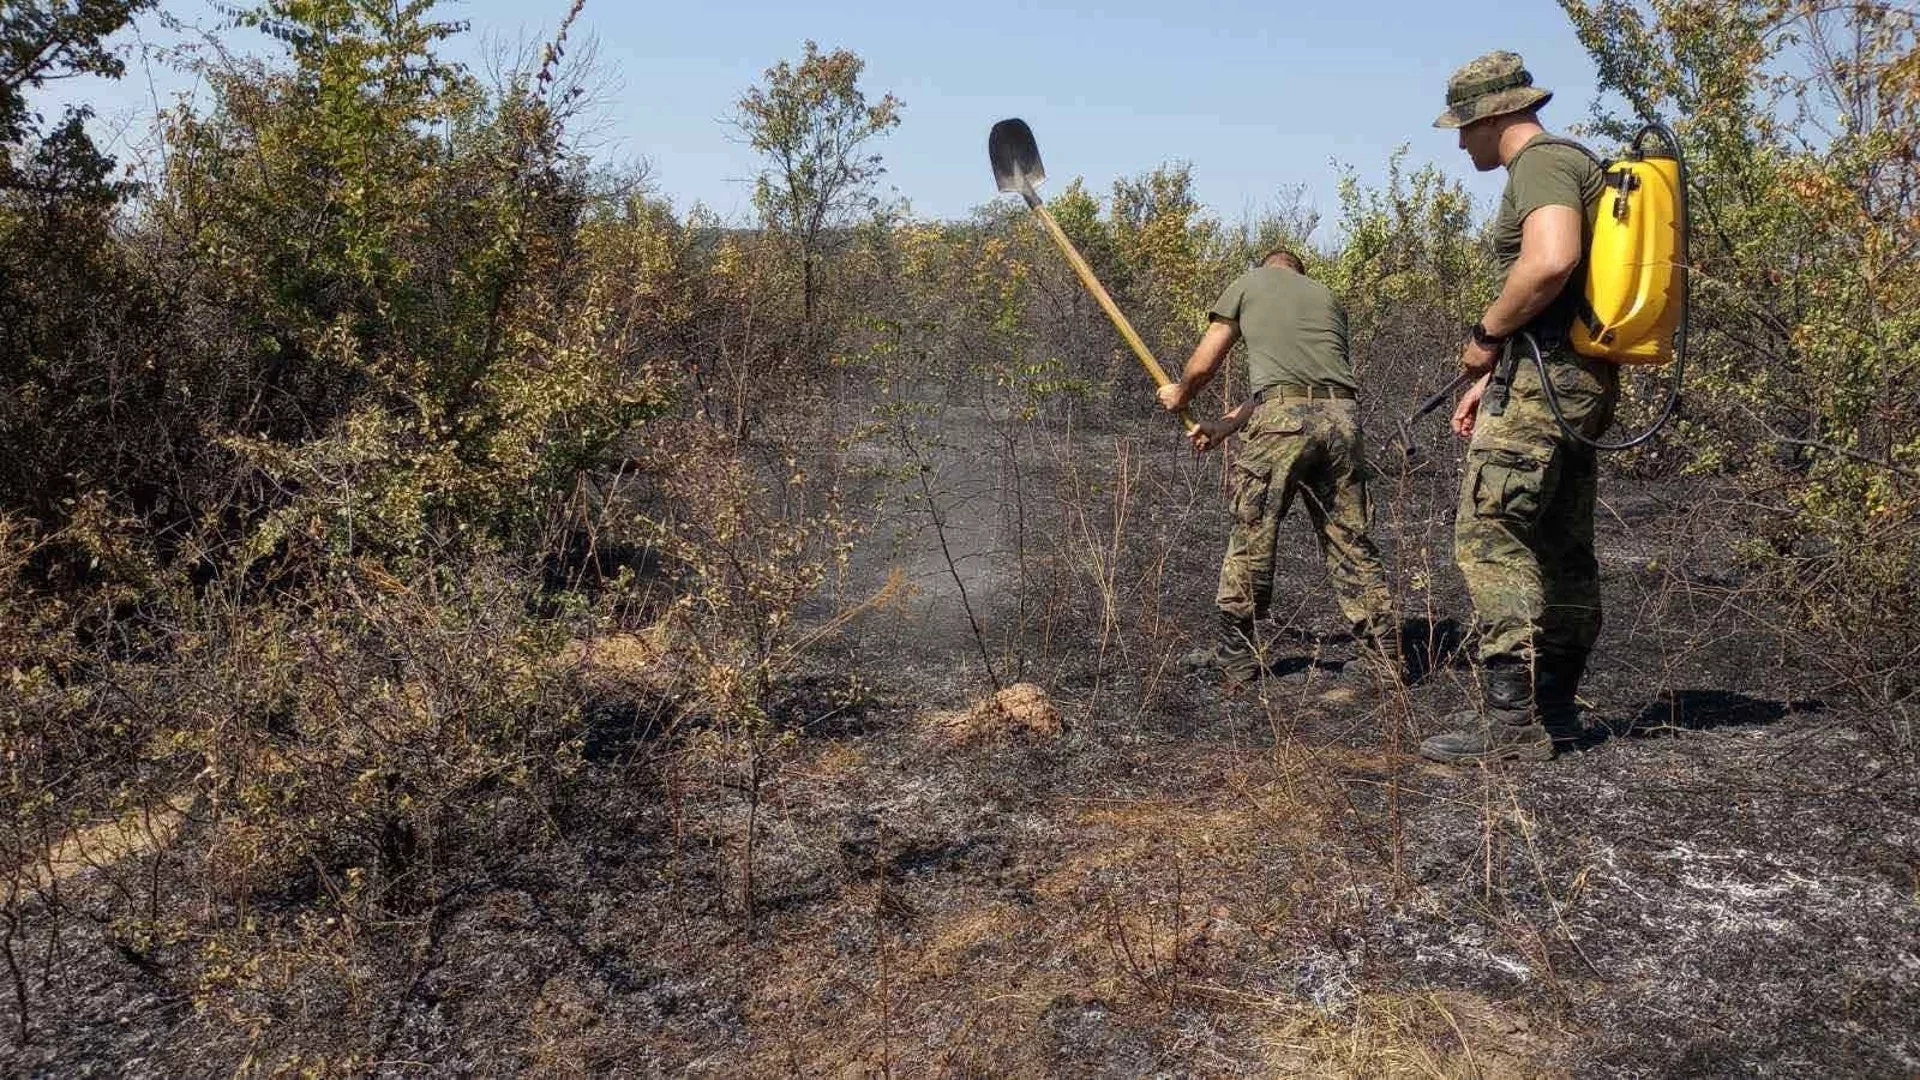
<point>1508,728</point>
<point>1555,692</point>
<point>1233,653</point>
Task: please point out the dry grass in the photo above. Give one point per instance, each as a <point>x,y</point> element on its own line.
<point>101,844</point>
<point>1098,933</point>
<point>1021,711</point>
<point>643,661</point>
<point>1441,1035</point>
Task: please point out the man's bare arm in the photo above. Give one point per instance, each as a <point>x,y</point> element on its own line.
<point>1207,434</point>
<point>1201,367</point>
<point>1549,254</point>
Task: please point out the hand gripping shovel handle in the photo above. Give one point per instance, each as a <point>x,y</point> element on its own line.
<point>1120,323</point>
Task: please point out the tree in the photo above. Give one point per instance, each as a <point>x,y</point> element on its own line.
<point>424,347</point>
<point>47,41</point>
<point>813,122</point>
<point>1411,268</point>
<point>61,279</point>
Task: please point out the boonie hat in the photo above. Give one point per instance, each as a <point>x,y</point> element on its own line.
<point>1493,85</point>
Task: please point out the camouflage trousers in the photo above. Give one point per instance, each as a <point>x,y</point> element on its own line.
<point>1523,534</point>
<point>1310,449</point>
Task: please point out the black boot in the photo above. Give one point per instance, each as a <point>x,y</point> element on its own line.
<point>1508,728</point>
<point>1556,689</point>
<point>1233,653</point>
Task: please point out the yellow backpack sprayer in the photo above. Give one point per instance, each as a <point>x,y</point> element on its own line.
<point>1634,309</point>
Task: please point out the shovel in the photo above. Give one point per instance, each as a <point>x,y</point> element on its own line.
<point>1016,167</point>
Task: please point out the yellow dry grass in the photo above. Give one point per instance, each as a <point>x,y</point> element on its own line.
<point>643,660</point>
<point>102,844</point>
<point>972,968</point>
<point>1102,928</point>
<point>1022,710</point>
<point>1445,1034</point>
<point>1214,835</point>
<point>838,762</point>
<point>1340,695</point>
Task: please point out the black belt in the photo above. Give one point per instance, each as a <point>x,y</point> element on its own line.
<point>1279,391</point>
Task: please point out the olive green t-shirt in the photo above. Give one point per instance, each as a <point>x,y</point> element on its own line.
<point>1548,171</point>
<point>1296,332</point>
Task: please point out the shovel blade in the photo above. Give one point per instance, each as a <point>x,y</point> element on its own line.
<point>1015,156</point>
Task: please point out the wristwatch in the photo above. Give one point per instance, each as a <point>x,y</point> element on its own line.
<point>1484,339</point>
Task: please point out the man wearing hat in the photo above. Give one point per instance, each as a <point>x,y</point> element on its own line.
<point>1523,533</point>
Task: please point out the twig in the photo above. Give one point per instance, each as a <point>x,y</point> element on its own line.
<point>921,471</point>
<point>1553,902</point>
<point>1465,1046</point>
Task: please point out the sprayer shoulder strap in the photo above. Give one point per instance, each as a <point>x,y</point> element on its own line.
<point>1607,171</point>
<point>1557,140</point>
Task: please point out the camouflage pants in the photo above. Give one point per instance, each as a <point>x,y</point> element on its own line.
<point>1523,534</point>
<point>1312,449</point>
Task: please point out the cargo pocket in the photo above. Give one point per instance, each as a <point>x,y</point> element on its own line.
<point>1251,482</point>
<point>1581,387</point>
<point>1510,485</point>
<point>1276,420</point>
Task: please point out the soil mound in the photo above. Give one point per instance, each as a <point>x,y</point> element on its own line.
<point>1022,710</point>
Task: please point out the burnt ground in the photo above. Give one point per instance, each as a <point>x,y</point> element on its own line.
<point>1722,879</point>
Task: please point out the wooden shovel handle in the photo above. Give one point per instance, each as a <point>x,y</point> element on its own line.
<point>1120,323</point>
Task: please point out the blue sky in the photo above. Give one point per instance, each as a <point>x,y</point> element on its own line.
<point>1258,97</point>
